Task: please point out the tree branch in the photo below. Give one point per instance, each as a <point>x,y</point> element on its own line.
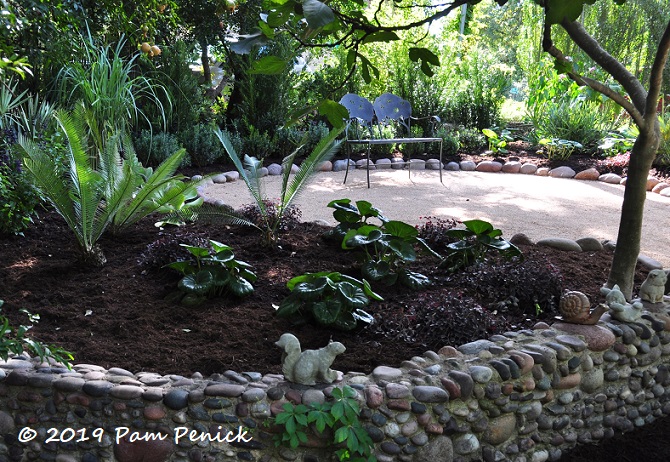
<point>549,47</point>
<point>370,28</point>
<point>656,76</point>
<point>592,48</point>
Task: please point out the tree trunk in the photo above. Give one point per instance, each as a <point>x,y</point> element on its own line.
<point>204,58</point>
<point>627,250</point>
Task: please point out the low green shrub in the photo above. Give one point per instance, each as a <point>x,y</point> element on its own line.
<point>577,120</point>
<point>201,144</point>
<point>472,111</point>
<point>470,140</point>
<point>257,144</point>
<point>558,149</point>
<point>450,141</point>
<point>155,148</point>
<point>18,198</point>
<point>663,154</point>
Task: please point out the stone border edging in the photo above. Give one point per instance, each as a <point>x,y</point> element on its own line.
<point>653,184</point>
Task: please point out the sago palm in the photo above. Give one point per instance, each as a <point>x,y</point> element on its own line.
<point>290,188</point>
<point>106,190</point>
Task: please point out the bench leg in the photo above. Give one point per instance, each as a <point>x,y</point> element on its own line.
<point>348,151</point>
<point>441,162</point>
<point>368,164</point>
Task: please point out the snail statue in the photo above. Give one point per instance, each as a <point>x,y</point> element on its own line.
<point>653,288</point>
<point>575,307</point>
<point>309,366</point>
<point>619,308</point>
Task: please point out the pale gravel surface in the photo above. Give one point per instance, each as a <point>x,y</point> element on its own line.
<point>540,207</point>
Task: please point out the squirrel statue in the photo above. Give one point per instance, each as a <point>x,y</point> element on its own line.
<point>309,366</point>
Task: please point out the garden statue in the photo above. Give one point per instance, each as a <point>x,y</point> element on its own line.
<point>575,308</point>
<point>619,308</point>
<point>653,288</point>
<point>309,366</point>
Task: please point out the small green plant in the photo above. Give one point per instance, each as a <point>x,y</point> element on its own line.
<point>201,144</point>
<point>474,242</point>
<point>619,141</point>
<point>498,142</point>
<point>341,416</point>
<point>15,341</point>
<point>470,140</point>
<point>212,273</point>
<point>663,155</point>
<point>451,143</point>
<point>559,149</point>
<point>249,170</point>
<point>387,247</point>
<point>330,298</point>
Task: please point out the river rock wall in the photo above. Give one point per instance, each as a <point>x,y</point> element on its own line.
<point>522,396</point>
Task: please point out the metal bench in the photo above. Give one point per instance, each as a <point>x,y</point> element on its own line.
<point>366,122</point>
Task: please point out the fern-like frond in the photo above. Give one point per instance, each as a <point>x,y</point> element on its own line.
<point>210,214</point>
<point>324,150</point>
<point>252,179</point>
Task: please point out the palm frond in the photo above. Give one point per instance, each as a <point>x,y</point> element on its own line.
<point>158,191</point>
<point>252,180</point>
<point>324,150</point>
<point>210,214</point>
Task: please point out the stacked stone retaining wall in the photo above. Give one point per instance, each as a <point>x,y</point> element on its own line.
<point>523,396</point>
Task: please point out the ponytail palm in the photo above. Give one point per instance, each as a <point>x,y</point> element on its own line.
<point>106,190</point>
<point>291,188</point>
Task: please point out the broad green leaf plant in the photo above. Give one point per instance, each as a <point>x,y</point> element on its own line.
<point>106,191</point>
<point>473,243</point>
<point>387,246</point>
<point>291,188</point>
<point>212,273</point>
<point>330,298</point>
<point>340,415</point>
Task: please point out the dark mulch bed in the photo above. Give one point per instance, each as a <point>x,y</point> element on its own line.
<point>118,316</point>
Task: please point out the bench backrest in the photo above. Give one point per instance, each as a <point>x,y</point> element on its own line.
<point>387,108</point>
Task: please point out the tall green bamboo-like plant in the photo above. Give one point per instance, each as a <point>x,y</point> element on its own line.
<point>110,89</point>
<point>105,190</point>
<point>290,188</point>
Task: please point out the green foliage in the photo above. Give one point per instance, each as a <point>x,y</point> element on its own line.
<point>473,111</point>
<point>330,298</point>
<point>498,141</point>
<point>157,147</point>
<point>103,191</point>
<point>212,273</point>
<point>450,141</point>
<point>183,95</point>
<point>249,172</point>
<point>14,341</point>
<point>577,120</point>
<point>474,242</point>
<point>201,144</point>
<point>470,140</point>
<point>340,415</point>
<point>619,141</point>
<point>19,198</point>
<point>257,144</point>
<point>110,89</point>
<point>663,155</point>
<point>559,149</point>
<point>387,247</point>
